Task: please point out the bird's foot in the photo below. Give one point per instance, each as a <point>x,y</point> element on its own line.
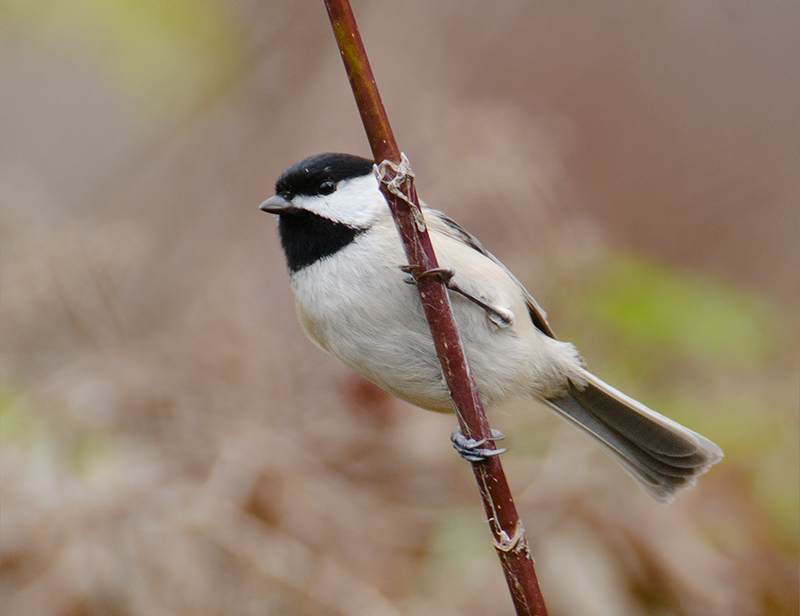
<point>473,450</point>
<point>442,272</point>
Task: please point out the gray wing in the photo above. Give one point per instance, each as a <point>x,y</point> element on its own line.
<point>537,315</point>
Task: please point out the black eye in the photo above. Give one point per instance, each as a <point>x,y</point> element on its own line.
<point>327,187</point>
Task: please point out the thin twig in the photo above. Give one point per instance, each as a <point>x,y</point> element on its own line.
<point>508,533</point>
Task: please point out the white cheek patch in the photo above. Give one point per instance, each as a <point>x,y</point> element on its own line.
<point>356,203</point>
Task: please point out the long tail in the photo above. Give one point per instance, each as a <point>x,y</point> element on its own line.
<point>660,454</point>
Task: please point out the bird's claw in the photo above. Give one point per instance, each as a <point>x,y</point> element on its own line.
<point>473,450</point>
<point>443,273</point>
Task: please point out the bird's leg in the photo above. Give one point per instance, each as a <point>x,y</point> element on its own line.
<point>472,450</point>
<point>445,274</point>
<point>497,315</point>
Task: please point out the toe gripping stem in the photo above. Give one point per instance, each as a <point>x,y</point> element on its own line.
<point>473,450</point>
<point>417,272</point>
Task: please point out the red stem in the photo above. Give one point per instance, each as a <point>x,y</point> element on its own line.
<point>509,536</point>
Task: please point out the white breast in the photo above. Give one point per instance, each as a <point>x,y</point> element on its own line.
<point>358,308</point>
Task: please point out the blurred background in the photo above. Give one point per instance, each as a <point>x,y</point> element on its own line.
<point>172,444</point>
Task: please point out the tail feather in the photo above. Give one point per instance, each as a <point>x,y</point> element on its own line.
<point>662,455</point>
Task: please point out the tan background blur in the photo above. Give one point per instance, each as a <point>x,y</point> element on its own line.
<point>171,443</point>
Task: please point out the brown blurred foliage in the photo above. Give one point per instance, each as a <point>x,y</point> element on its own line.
<point>171,444</point>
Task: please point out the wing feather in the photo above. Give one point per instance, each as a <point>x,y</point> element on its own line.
<point>537,315</point>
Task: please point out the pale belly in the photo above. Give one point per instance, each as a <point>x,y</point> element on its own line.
<point>360,310</point>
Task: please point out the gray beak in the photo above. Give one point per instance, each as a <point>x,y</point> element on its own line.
<point>276,205</point>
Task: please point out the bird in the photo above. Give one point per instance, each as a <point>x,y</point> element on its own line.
<point>355,300</point>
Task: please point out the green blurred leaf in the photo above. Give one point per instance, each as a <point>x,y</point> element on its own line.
<point>162,54</point>
<point>460,546</point>
<point>17,423</point>
<point>682,313</point>
<point>86,453</point>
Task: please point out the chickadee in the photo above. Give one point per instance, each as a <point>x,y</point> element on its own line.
<point>345,264</point>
